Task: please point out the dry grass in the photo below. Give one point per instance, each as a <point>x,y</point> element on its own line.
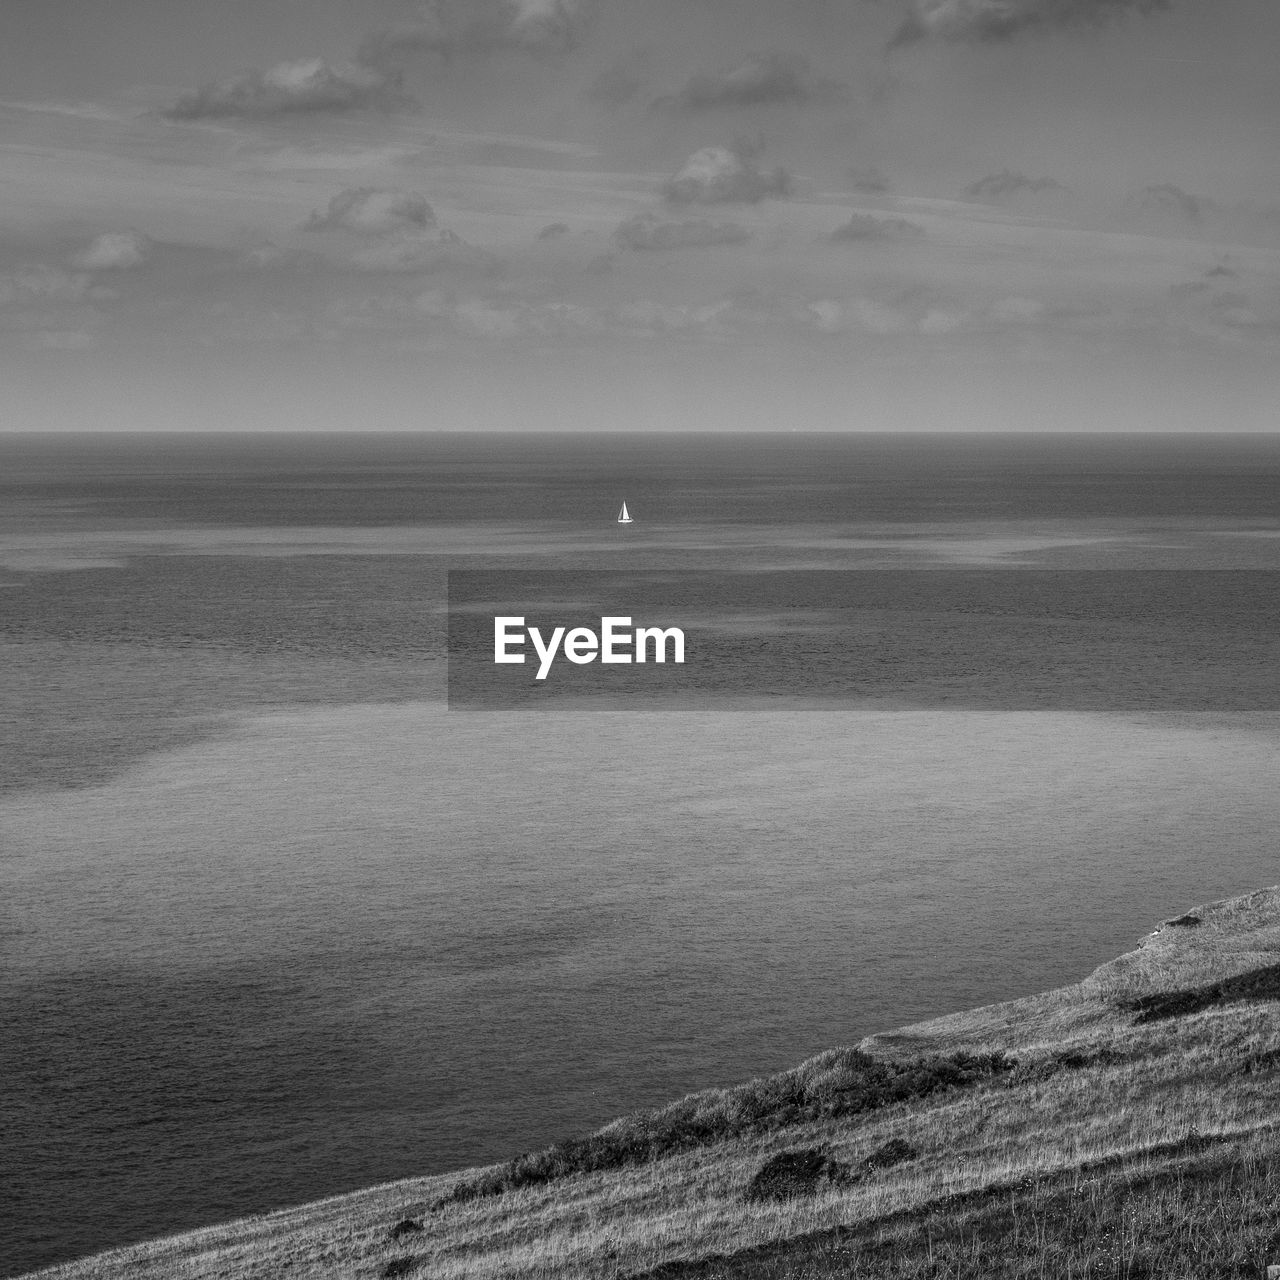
<point>1116,1147</point>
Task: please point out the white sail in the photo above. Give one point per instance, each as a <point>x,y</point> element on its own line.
<point>623,517</point>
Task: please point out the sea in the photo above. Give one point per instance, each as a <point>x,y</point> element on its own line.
<point>279,918</point>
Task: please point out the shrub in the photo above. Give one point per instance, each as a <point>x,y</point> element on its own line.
<point>399,1267</point>
<point>842,1082</point>
<point>796,1173</point>
<point>885,1156</point>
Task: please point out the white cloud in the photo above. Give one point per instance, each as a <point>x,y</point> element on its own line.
<point>476,28</point>
<point>761,79</point>
<point>827,315</point>
<point>114,251</point>
<point>290,88</point>
<point>716,175</point>
<point>990,20</point>
<point>374,211</point>
<point>46,284</point>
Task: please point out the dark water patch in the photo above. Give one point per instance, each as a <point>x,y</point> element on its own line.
<point>122,1088</point>
<point>80,712</point>
<point>324,606</point>
<point>139,1101</point>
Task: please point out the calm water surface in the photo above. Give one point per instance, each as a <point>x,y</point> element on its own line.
<point>274,923</point>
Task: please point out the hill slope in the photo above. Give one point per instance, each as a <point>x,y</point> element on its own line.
<point>1123,1126</point>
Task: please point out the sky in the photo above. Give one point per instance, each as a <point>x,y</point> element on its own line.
<point>639,214</point>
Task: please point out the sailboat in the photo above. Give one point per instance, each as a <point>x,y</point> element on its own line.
<point>623,516</point>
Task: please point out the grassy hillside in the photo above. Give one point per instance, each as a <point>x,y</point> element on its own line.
<point>1126,1126</point>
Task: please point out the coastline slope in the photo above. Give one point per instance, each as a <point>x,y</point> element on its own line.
<point>1125,1121</point>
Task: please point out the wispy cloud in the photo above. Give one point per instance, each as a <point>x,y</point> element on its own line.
<point>454,28</point>
<point>293,88</point>
<point>44,284</point>
<point>72,110</point>
<point>988,20</point>
<point>763,79</point>
<point>374,79</point>
<point>114,251</point>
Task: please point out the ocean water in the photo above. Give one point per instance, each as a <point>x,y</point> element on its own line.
<point>276,922</point>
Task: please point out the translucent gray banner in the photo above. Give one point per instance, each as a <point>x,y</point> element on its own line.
<point>1129,640</point>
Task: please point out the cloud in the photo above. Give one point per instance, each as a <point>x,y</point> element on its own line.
<point>374,211</point>
<point>47,308</point>
<point>374,81</point>
<point>453,28</point>
<point>759,80</point>
<point>1224,313</point>
<point>114,251</point>
<point>862,226</point>
<point>648,231</point>
<point>1007,184</point>
<point>868,179</point>
<point>309,85</point>
<point>45,284</point>
<point>425,254</point>
<point>1166,199</point>
<point>826,315</point>
<point>484,320</point>
<point>991,20</point>
<point>507,317</point>
<point>718,175</point>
